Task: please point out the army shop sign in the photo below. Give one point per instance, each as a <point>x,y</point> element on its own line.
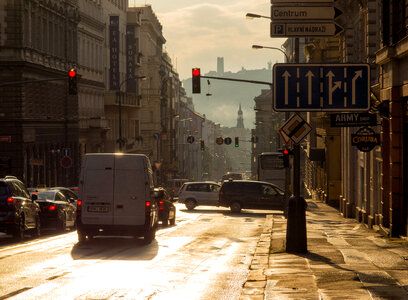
<point>365,139</point>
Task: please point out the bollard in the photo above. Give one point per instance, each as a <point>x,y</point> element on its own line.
<point>296,240</point>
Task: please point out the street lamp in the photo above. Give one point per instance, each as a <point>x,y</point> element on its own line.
<point>119,96</point>
<point>274,48</point>
<point>255,16</point>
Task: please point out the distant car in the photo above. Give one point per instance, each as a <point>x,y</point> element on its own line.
<point>231,175</point>
<point>19,211</point>
<point>56,210</point>
<point>69,193</point>
<point>167,210</point>
<point>197,193</point>
<point>239,194</point>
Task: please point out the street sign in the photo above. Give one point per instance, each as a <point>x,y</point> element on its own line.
<point>296,13</point>
<point>219,140</point>
<point>365,139</point>
<point>296,128</point>
<point>353,120</point>
<point>227,141</point>
<point>190,139</point>
<point>5,139</point>
<point>284,137</point>
<point>66,162</point>
<point>321,87</point>
<point>66,151</point>
<point>280,29</point>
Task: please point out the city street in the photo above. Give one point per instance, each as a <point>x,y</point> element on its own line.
<point>206,255</point>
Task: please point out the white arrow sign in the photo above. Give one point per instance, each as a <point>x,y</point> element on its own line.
<point>296,13</point>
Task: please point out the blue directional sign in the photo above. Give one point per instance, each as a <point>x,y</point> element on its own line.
<point>321,87</point>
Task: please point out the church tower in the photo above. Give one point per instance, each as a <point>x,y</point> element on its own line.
<point>240,119</point>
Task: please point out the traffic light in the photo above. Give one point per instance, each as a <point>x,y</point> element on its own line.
<point>236,141</point>
<point>285,157</point>
<point>72,82</point>
<point>196,81</point>
<point>202,146</point>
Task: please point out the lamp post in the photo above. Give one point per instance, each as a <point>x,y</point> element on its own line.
<point>274,48</point>
<point>119,97</point>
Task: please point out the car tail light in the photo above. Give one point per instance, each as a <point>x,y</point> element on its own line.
<point>52,207</point>
<point>10,201</point>
<point>79,206</point>
<point>161,202</point>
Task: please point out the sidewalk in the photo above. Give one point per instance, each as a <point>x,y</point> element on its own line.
<point>345,260</point>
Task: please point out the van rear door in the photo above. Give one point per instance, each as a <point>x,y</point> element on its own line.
<point>96,188</point>
<point>131,190</point>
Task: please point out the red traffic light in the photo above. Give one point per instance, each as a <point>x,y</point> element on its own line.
<point>72,73</point>
<point>196,72</point>
<point>285,151</point>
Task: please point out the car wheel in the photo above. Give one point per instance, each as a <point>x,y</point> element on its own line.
<point>173,221</point>
<point>37,229</point>
<point>62,224</point>
<point>81,236</point>
<point>236,207</point>
<point>190,204</point>
<point>18,233</point>
<point>149,236</point>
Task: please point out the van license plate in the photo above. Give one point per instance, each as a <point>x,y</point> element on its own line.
<point>98,209</point>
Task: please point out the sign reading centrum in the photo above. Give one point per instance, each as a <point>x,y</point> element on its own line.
<point>296,13</point>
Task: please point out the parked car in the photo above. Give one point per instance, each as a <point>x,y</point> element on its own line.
<point>196,193</point>
<point>239,194</point>
<point>167,210</point>
<point>116,197</point>
<point>19,211</point>
<point>56,210</point>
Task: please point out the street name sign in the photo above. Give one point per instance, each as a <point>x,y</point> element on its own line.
<point>280,29</point>
<point>321,87</point>
<point>296,13</point>
<point>353,120</point>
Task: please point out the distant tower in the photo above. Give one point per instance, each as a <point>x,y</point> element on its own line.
<point>240,120</point>
<point>220,65</point>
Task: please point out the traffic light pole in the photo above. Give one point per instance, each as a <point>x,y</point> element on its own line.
<point>240,80</point>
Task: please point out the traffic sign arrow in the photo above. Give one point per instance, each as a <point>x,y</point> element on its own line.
<point>296,13</point>
<point>280,29</point>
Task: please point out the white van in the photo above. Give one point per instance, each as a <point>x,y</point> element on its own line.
<point>116,196</point>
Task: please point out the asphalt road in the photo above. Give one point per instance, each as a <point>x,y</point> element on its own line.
<point>206,255</point>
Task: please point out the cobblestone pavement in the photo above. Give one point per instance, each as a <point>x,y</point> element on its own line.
<point>345,260</point>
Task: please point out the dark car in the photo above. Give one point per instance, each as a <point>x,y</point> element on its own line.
<point>167,210</point>
<point>56,210</point>
<point>18,211</point>
<point>239,194</point>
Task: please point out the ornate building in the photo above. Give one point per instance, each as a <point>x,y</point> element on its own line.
<point>38,119</point>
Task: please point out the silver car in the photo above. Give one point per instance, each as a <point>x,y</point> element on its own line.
<point>197,193</point>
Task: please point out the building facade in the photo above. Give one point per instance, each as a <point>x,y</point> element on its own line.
<point>38,119</point>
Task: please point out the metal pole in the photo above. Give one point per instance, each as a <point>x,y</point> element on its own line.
<point>120,120</point>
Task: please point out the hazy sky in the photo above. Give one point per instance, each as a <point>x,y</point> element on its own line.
<point>199,31</point>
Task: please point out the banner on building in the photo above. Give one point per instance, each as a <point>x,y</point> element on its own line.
<point>130,59</point>
<point>114,53</point>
